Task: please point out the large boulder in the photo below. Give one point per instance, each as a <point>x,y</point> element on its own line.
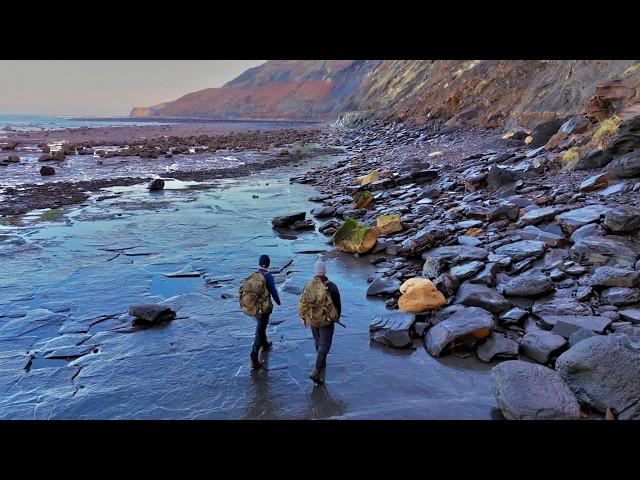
<point>388,224</point>
<point>525,391</point>
<point>615,277</point>
<point>530,284</point>
<point>481,296</point>
<point>604,372</point>
<point>626,166</point>
<point>352,237</point>
<point>541,345</point>
<point>544,131</point>
<point>393,330</point>
<point>419,295</point>
<point>287,220</point>
<point>522,249</point>
<point>464,322</point>
<point>622,219</point>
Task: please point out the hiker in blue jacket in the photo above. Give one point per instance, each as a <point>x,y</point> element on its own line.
<point>260,342</point>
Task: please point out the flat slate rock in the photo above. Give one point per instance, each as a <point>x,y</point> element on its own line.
<point>623,219</point>
<point>539,215</point>
<point>573,219</point>
<point>620,296</point>
<point>580,335</point>
<point>383,286</point>
<point>497,346</point>
<point>530,284</point>
<point>462,322</point>
<point>466,270</point>
<point>541,345</point>
<point>615,277</point>
<point>522,249</point>
<point>565,325</point>
<point>604,372</point>
<point>393,330</point>
<point>437,259</point>
<point>525,391</point>
<point>612,250</point>
<point>630,314</point>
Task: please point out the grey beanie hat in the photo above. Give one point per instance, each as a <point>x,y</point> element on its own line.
<point>320,268</point>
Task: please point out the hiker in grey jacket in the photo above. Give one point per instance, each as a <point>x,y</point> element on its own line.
<point>323,335</point>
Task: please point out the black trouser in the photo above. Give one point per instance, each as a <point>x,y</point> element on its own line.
<point>322,337</point>
<point>261,335</point>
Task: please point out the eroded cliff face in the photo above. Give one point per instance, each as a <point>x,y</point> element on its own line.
<point>488,93</point>
<point>278,89</point>
<point>494,92</point>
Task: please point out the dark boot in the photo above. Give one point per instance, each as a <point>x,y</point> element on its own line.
<point>256,364</point>
<point>266,347</point>
<point>317,375</point>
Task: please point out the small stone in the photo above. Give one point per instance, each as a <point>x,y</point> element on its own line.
<point>541,345</point>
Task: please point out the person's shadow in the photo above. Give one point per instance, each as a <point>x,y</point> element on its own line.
<point>262,407</point>
<point>323,405</point>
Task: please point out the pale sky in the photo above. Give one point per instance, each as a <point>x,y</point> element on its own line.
<point>106,87</point>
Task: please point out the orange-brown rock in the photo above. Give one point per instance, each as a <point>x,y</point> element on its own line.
<point>419,295</point>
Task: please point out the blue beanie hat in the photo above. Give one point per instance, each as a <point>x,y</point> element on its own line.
<point>264,260</point>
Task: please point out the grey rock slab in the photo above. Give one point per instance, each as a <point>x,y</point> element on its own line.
<point>580,335</point>
<point>541,345</point>
<point>526,391</point>
<point>604,372</point>
<point>383,286</point>
<point>466,270</point>
<point>573,219</point>
<point>612,250</point>
<point>530,284</point>
<point>473,295</point>
<point>620,296</point>
<point>539,215</point>
<point>497,345</point>
<point>565,325</point>
<point>437,259</point>
<point>393,330</point>
<point>630,314</point>
<point>615,277</point>
<point>522,249</point>
<point>622,219</point>
<point>462,322</point>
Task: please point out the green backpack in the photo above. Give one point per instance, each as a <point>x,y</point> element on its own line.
<point>316,307</point>
<point>254,296</point>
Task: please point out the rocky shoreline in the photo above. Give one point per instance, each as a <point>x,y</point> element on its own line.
<point>502,247</point>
